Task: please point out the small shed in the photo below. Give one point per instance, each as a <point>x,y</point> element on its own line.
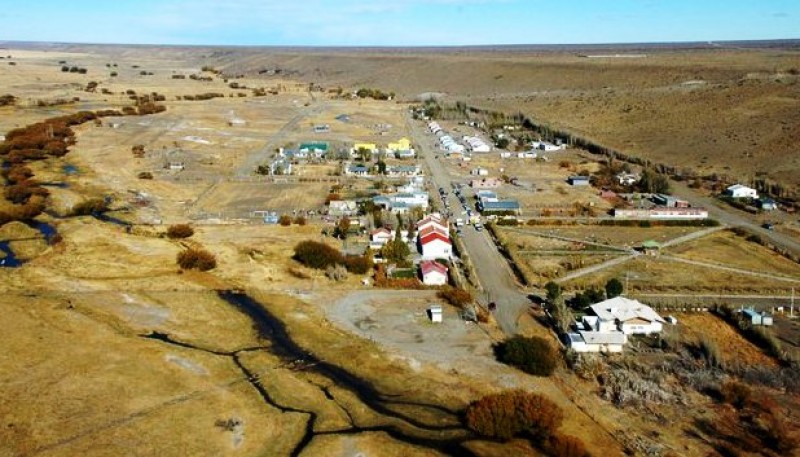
<point>578,180</point>
<point>435,313</point>
<point>651,247</point>
<point>757,317</point>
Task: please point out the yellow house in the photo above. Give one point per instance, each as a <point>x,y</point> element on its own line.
<point>403,144</point>
<point>371,147</point>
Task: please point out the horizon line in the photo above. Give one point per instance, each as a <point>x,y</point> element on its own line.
<point>652,44</point>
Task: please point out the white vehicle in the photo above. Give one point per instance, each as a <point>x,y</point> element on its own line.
<point>459,222</point>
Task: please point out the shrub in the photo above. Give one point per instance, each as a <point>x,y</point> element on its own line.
<point>197,259</point>
<point>285,220</point>
<point>514,413</point>
<point>533,355</point>
<point>317,255</point>
<point>89,207</point>
<point>336,272</point>
<point>357,264</point>
<point>736,394</point>
<point>145,175</point>
<point>455,296</point>
<point>560,445</point>
<point>180,231</point>
<point>300,220</point>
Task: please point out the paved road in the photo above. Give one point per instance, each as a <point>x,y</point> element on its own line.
<point>494,273</point>
<point>731,216</point>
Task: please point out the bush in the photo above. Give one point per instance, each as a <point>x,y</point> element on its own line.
<point>145,175</point>
<point>320,256</point>
<point>336,272</point>
<point>90,207</point>
<point>736,394</point>
<point>533,355</point>
<point>300,220</point>
<point>455,296</point>
<point>180,231</point>
<point>285,220</point>
<point>515,413</point>
<point>566,446</point>
<point>197,259</point>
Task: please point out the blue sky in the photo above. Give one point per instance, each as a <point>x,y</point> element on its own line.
<point>396,22</point>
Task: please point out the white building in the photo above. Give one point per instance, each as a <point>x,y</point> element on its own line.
<point>479,172</point>
<point>741,191</point>
<point>606,342</point>
<point>433,273</point>
<point>623,315</point>
<point>343,208</point>
<point>435,245</point>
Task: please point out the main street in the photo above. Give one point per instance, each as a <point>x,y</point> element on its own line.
<point>494,274</point>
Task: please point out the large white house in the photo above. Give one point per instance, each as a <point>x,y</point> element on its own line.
<point>623,315</point>
<point>435,245</point>
<point>588,341</point>
<point>741,191</point>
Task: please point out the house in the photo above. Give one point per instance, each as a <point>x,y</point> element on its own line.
<point>324,128</point>
<point>435,246</point>
<point>669,201</point>
<point>316,148</point>
<point>756,317</point>
<point>371,147</point>
<point>486,183</point>
<point>505,155</point>
<point>767,204</point>
<point>479,172</point>
<point>498,206</point>
<point>433,229</point>
<point>486,195</point>
<point>403,170</point>
<point>741,191</point>
<point>403,144</point>
<point>356,170</point>
<point>280,166</point>
<point>547,147</point>
<point>175,166</point>
<point>588,341</point>
<point>343,208</point>
<point>436,313</point>
<point>624,315</point>
<point>650,247</point>
<point>476,144</point>
<point>578,180</point>
<point>405,154</point>
<point>434,219</point>
<point>627,179</point>
<point>380,236</point>
<point>433,273</point>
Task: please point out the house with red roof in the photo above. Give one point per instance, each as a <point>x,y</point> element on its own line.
<point>435,245</point>
<point>433,273</point>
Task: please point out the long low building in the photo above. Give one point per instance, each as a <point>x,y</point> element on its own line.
<point>661,213</point>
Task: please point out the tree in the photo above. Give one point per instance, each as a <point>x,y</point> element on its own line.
<point>562,315</point>
<point>180,231</point>
<point>381,167</point>
<point>285,220</point>
<point>196,259</point>
<point>654,182</point>
<point>614,288</point>
<point>515,413</point>
<point>342,228</point>
<point>364,154</point>
<point>300,220</point>
<point>532,355</point>
<point>553,291</point>
<point>396,251</point>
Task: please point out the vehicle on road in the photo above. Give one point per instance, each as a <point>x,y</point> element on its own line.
<point>478,226</point>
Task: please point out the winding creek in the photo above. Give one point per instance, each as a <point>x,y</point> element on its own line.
<point>447,439</point>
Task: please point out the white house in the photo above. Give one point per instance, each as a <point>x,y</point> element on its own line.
<point>479,172</point>
<point>436,313</point>
<point>433,219</point>
<point>627,179</point>
<point>380,236</point>
<point>623,315</point>
<point>741,191</point>
<point>435,245</point>
<point>343,208</point>
<point>433,273</point>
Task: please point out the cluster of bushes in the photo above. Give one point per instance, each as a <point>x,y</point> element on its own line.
<point>90,207</point>
<point>383,280</point>
<point>178,76</point>
<point>73,69</point>
<point>201,78</point>
<point>320,256</point>
<point>179,231</point>
<point>533,355</point>
<point>201,97</point>
<point>286,220</point>
<point>196,259</point>
<point>754,425</point>
<point>520,414</point>
<point>375,94</point>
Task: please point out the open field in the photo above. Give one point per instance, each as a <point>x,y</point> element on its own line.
<point>737,350</point>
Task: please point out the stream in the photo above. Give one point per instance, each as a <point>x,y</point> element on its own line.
<point>273,330</point>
